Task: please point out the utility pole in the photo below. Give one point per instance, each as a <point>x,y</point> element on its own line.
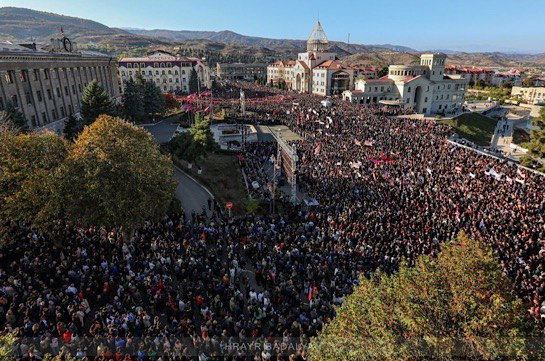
<point>276,165</point>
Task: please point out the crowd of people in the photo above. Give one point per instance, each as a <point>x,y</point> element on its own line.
<point>259,287</point>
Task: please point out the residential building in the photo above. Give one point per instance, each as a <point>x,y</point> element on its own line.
<point>241,71</point>
<point>424,88</point>
<point>486,75</point>
<point>47,82</point>
<point>315,71</point>
<point>531,95</point>
<point>169,72</point>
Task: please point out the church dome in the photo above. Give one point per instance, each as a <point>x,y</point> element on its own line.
<point>317,40</point>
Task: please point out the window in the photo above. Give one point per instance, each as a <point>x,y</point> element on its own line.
<point>33,119</point>
<point>58,92</point>
<point>79,87</point>
<point>2,104</point>
<point>36,74</point>
<point>46,74</point>
<point>66,90</point>
<point>54,113</point>
<point>63,113</point>
<point>73,89</point>
<point>9,77</point>
<point>23,76</point>
<point>44,117</point>
<point>28,98</point>
<point>15,101</point>
<point>49,94</point>
<point>70,108</point>
<point>409,90</point>
<point>39,95</point>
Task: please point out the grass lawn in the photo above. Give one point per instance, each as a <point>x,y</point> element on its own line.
<point>222,176</point>
<point>475,127</point>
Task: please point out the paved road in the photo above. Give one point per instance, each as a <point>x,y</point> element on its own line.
<point>191,194</point>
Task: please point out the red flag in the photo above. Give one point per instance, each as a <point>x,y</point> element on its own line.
<point>317,150</point>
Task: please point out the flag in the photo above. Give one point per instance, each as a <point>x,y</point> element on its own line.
<point>317,150</point>
<point>429,170</point>
<point>495,174</point>
<point>357,142</point>
<point>518,180</point>
<point>510,180</point>
<point>472,175</point>
<point>368,143</point>
<point>520,173</point>
<point>458,169</point>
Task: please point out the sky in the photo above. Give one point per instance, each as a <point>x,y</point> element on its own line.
<point>461,25</point>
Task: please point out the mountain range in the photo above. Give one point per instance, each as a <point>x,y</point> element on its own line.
<point>21,24</point>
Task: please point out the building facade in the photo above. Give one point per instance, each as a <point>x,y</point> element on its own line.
<point>424,88</point>
<point>315,71</point>
<point>170,73</point>
<point>486,75</point>
<point>241,71</point>
<point>531,95</point>
<point>47,83</point>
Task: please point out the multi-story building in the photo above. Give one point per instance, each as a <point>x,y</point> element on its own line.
<point>316,71</point>
<point>46,83</point>
<point>171,73</point>
<point>241,71</point>
<point>486,75</point>
<point>367,73</point>
<point>532,95</point>
<point>424,88</point>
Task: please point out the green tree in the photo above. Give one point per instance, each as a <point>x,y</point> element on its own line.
<point>72,126</point>
<point>456,306</point>
<point>528,82</point>
<point>15,117</point>
<point>30,178</point>
<point>184,147</point>
<point>382,72</point>
<point>507,85</point>
<point>116,175</point>
<point>154,101</point>
<point>193,82</point>
<point>94,102</point>
<point>133,104</point>
<point>535,158</point>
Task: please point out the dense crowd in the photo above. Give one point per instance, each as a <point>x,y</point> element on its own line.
<point>388,188</point>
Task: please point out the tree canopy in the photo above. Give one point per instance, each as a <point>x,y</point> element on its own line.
<point>154,102</point>
<point>536,146</point>
<point>193,82</point>
<point>30,178</point>
<point>458,305</point>
<point>133,105</point>
<point>14,116</point>
<point>94,102</point>
<point>117,175</point>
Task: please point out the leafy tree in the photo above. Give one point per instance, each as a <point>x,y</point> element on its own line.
<point>154,102</point>
<point>456,306</point>
<point>30,177</point>
<point>133,104</point>
<point>116,175</point>
<point>528,82</point>
<point>72,126</point>
<point>94,102</point>
<point>507,85</point>
<point>184,147</point>
<point>382,72</point>
<point>6,347</point>
<point>15,117</point>
<point>193,82</point>
<point>202,134</point>
<point>170,101</point>
<point>7,126</point>
<point>536,146</point>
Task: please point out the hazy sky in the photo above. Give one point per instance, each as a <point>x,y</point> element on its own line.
<point>466,25</point>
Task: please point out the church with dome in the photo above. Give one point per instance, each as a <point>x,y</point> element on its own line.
<point>315,71</point>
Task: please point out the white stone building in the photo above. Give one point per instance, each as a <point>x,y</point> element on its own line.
<point>424,88</point>
<point>171,73</point>
<point>315,71</point>
<point>531,95</point>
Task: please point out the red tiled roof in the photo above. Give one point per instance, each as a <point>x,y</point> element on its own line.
<point>411,78</point>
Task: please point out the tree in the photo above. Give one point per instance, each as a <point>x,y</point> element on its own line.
<point>13,115</point>
<point>72,126</point>
<point>133,104</point>
<point>6,347</point>
<point>94,102</point>
<point>154,102</point>
<point>193,82</point>
<point>170,101</point>
<point>507,85</point>
<point>382,72</point>
<point>528,82</point>
<point>116,175</point>
<point>456,306</point>
<point>480,83</point>
<point>30,178</point>
<point>535,158</point>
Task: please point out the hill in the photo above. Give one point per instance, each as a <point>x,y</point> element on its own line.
<point>19,24</point>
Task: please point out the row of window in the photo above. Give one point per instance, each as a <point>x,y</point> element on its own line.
<point>33,118</point>
<point>9,76</point>
<point>156,65</point>
<point>151,73</point>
